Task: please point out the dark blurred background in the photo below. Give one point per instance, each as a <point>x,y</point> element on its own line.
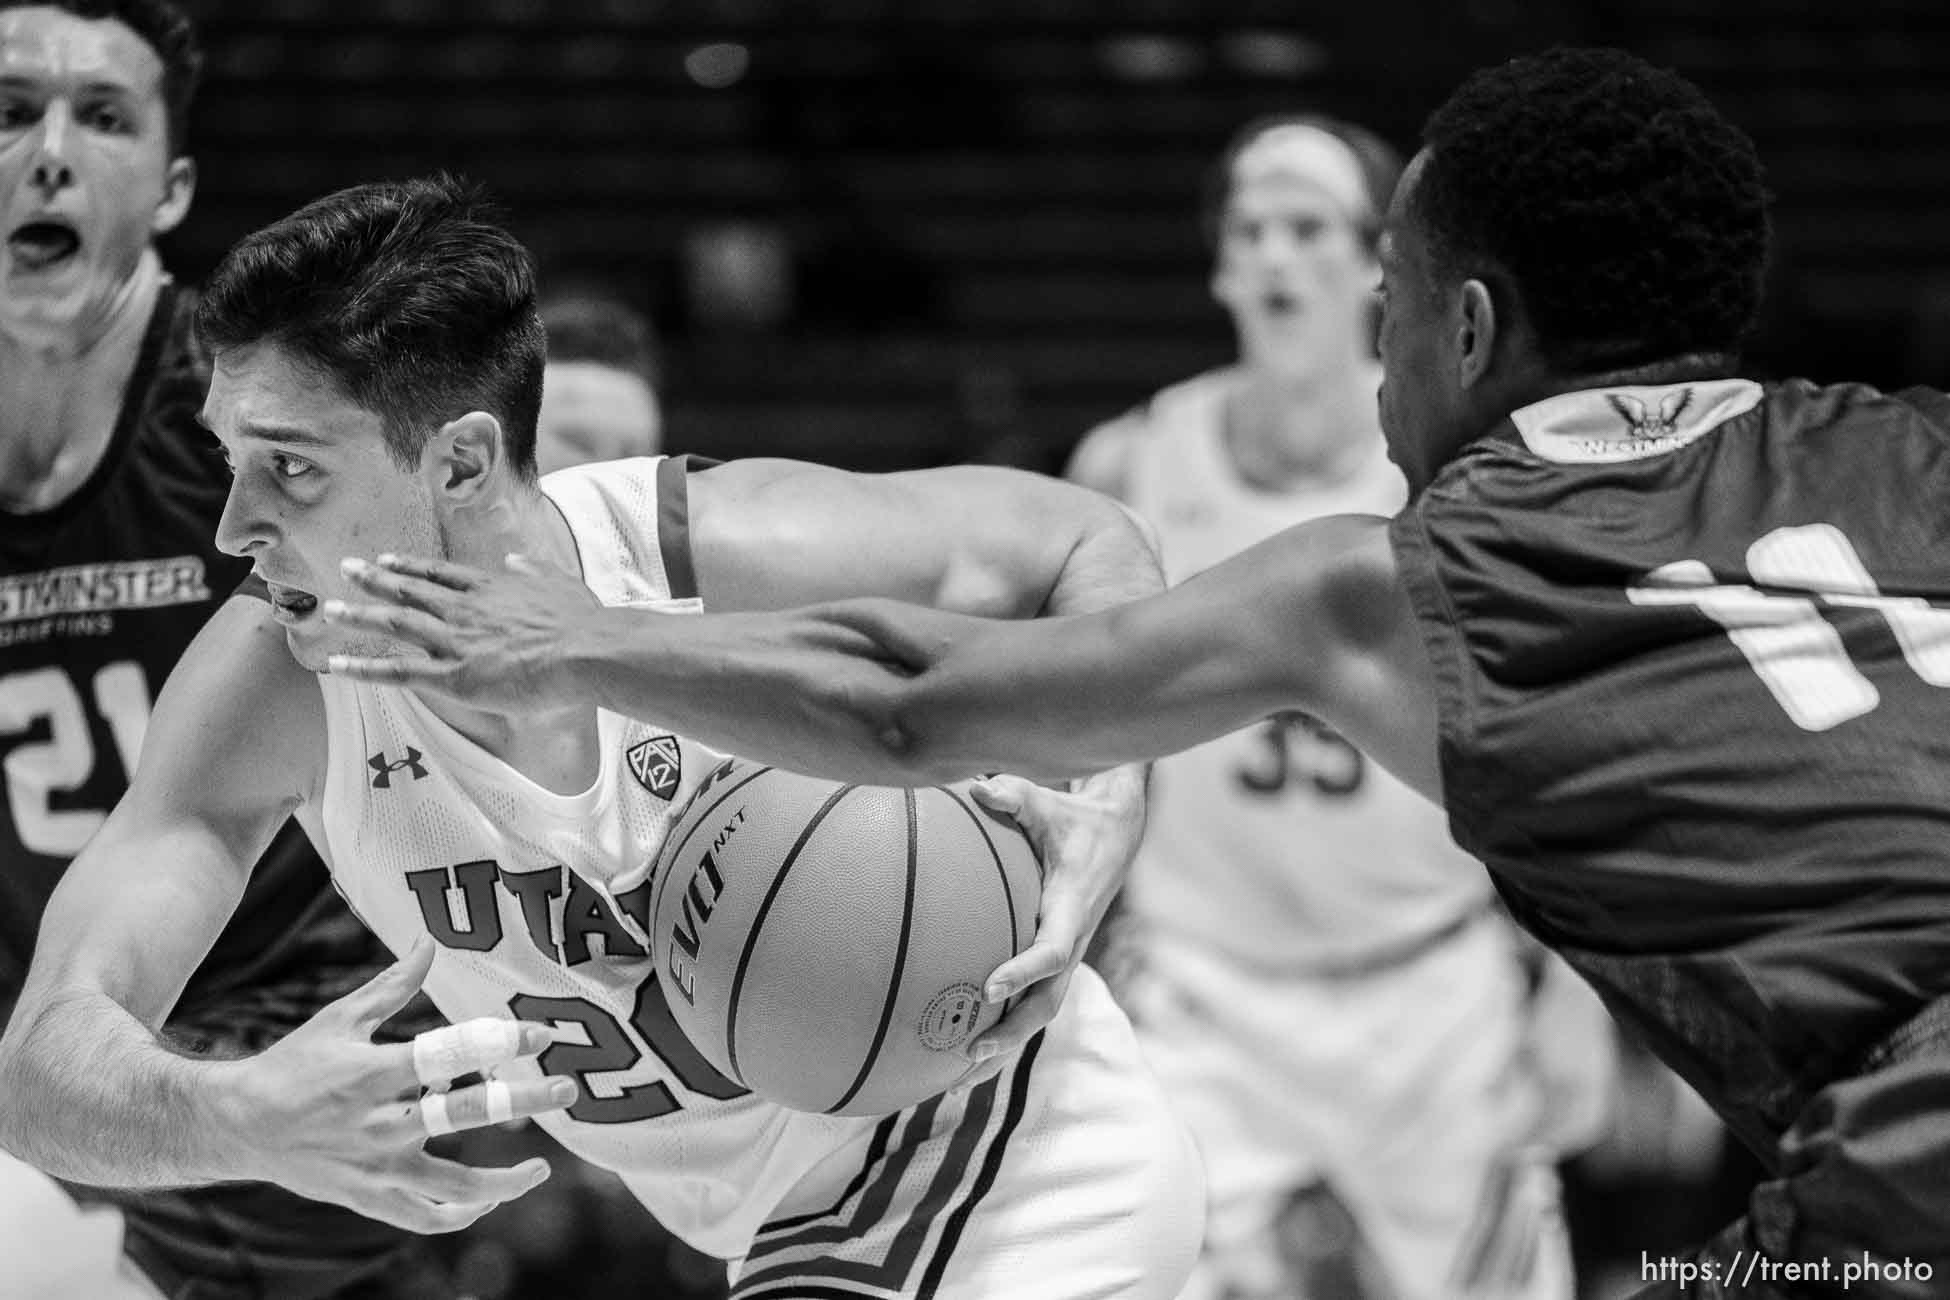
<point>890,233</point>
<point>885,233</point>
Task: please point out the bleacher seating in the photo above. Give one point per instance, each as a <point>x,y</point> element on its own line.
<point>991,206</point>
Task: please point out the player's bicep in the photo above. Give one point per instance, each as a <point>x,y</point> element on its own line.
<point>223,764</point>
<point>774,534</point>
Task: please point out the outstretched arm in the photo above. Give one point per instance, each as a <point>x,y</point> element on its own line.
<point>1312,619</point>
<point>892,693</point>
<point>768,535</point>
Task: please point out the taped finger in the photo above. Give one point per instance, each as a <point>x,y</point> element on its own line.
<point>473,1045</point>
<point>495,1102</point>
<point>433,1115</point>
<point>500,1102</point>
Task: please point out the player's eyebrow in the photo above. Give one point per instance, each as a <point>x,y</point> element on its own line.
<point>95,86</point>
<point>270,431</point>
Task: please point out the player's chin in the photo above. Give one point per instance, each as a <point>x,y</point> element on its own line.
<point>310,647</point>
<point>313,641</point>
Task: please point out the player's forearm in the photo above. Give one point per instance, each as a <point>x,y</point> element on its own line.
<point>797,689</point>
<point>88,1094</point>
<point>1115,563</point>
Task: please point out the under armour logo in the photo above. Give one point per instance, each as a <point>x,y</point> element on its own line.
<point>1644,424</point>
<point>658,765</point>
<point>383,771</point>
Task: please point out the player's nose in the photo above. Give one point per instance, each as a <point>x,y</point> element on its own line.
<point>52,171</point>
<point>245,528</point>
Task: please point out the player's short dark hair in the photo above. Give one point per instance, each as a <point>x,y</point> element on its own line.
<point>1380,164</point>
<point>600,329</point>
<point>409,295</point>
<point>168,31</point>
<point>1629,213</point>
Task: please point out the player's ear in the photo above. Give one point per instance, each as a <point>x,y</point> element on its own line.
<point>464,454</point>
<point>1476,330</point>
<point>179,187</point>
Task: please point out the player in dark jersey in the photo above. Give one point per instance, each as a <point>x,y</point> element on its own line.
<point>109,501</point>
<point>1671,646</point>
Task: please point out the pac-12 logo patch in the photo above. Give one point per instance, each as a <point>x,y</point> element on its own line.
<point>658,765</point>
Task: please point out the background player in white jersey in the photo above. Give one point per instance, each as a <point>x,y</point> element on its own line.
<point>1318,974</point>
<point>377,375</point>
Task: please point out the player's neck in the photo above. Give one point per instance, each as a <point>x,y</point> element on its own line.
<point>61,396</point>
<point>1286,430</point>
<point>558,749</point>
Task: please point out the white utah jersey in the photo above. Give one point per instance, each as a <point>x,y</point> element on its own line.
<point>538,901</point>
<point>1280,845</point>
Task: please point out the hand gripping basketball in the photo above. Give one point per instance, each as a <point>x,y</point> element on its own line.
<point>1086,839</point>
<point>336,1117</point>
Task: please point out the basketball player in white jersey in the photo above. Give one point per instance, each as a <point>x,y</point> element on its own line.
<point>377,373</point>
<point>1316,971</point>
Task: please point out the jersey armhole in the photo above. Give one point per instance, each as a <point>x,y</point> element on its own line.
<point>1441,635</point>
<point>674,522</point>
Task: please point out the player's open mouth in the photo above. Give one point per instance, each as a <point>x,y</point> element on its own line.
<point>1281,304</point>
<point>43,243</point>
<point>291,603</point>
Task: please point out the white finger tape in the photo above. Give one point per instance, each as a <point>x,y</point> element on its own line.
<point>500,1102</point>
<point>453,1050</point>
<point>433,1114</point>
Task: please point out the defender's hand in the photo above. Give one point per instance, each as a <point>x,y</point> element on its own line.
<point>333,1116</point>
<point>492,639</point>
<point>1086,840</point>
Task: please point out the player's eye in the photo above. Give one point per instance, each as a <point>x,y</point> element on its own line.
<point>105,117</point>
<point>15,113</point>
<point>289,467</point>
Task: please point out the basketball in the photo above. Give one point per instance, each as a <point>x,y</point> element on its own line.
<point>826,944</point>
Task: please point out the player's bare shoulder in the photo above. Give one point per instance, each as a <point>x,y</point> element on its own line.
<point>1358,587</point>
<point>238,714</point>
